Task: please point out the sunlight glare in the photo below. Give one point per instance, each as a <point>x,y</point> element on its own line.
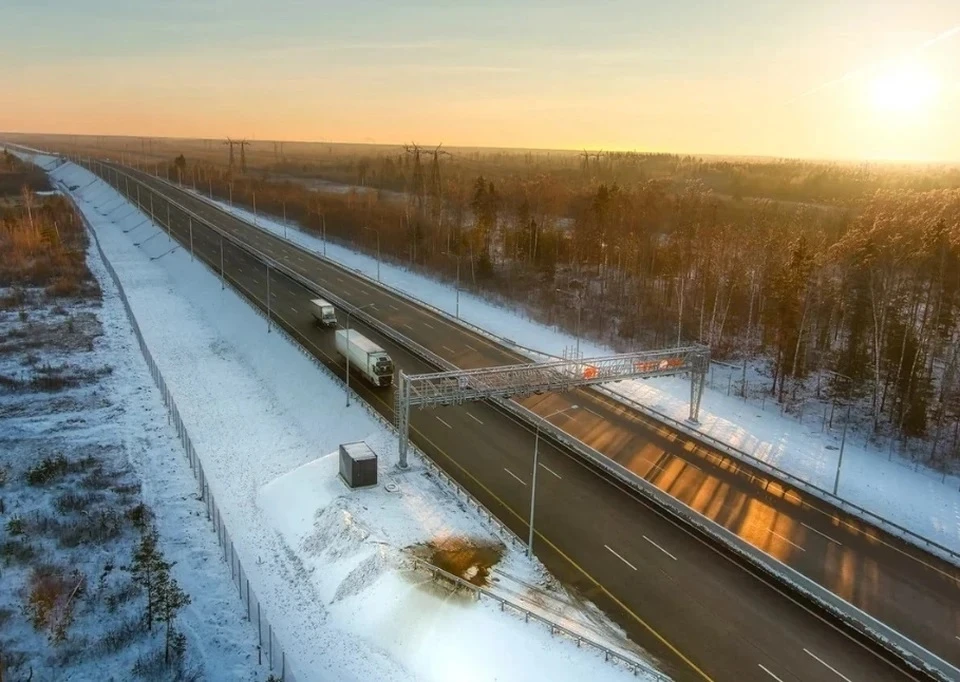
<point>906,88</point>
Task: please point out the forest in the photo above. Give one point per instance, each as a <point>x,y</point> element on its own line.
<point>836,281</point>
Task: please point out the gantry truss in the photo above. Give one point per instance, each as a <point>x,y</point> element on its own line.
<point>461,386</point>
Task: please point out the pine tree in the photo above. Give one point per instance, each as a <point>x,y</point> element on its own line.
<point>150,571</point>
<point>171,600</point>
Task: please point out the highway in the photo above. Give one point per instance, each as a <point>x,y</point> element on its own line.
<point>699,613</point>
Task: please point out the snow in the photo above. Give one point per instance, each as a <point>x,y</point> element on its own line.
<point>329,566</point>
<point>914,497</point>
<point>119,418</point>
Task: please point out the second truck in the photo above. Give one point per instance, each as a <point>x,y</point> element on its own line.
<point>366,357</point>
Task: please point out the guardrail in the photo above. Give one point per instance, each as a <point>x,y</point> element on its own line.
<point>608,654</point>
<point>827,496</point>
<point>267,641</point>
<point>787,578</point>
<point>442,477</point>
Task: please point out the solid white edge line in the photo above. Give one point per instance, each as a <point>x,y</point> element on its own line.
<point>821,534</point>
<point>522,482</point>
<point>551,470</point>
<point>659,547</point>
<point>614,553</point>
<point>760,665</point>
<point>827,665</point>
<point>439,419</point>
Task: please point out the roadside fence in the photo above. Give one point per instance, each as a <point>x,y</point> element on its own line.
<point>270,651</point>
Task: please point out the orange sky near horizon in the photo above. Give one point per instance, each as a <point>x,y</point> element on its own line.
<point>787,82</point>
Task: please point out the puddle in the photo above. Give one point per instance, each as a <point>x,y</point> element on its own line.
<point>462,557</point>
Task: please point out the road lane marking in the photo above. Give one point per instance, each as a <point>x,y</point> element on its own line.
<point>471,348</point>
<point>444,423</point>
<point>659,547</point>
<point>339,279</point>
<point>408,326</point>
<point>450,349</point>
<point>821,534</point>
<point>522,482</point>
<point>427,324</point>
<point>769,673</point>
<point>551,471</point>
<point>473,418</point>
<point>393,306</point>
<point>294,310</point>
<point>594,412</point>
<point>785,539</point>
<point>614,553</point>
<point>827,665</point>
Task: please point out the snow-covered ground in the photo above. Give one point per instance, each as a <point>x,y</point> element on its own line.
<point>99,408</point>
<point>915,497</point>
<point>331,567</point>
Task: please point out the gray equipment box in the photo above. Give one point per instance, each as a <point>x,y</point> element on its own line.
<point>358,465</point>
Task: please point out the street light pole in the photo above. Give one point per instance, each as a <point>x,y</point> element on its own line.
<point>372,229</point>
<point>843,442</point>
<point>323,221</point>
<point>536,463</point>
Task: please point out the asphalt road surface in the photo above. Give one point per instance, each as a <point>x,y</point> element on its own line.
<point>698,613</point>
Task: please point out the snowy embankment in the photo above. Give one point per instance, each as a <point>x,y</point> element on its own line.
<point>331,567</point>
<point>915,498</point>
<point>75,386</point>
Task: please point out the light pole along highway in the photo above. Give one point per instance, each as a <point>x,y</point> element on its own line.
<point>536,462</point>
<point>376,232</point>
<point>347,354</point>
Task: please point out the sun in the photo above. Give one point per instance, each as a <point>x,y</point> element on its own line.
<point>904,88</point>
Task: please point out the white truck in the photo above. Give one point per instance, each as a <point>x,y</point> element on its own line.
<point>323,312</point>
<point>366,357</point>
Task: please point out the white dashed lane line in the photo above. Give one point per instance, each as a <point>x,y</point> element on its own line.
<point>769,673</point>
<point>614,553</point>
<point>659,547</point>
<point>544,466</point>
<point>821,534</point>
<point>827,666</point>
<point>522,482</point>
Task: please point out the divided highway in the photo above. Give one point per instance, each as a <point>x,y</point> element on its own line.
<point>700,613</point>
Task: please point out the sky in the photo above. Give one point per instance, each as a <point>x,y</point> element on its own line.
<point>874,79</point>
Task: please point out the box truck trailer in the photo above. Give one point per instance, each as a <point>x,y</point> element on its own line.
<point>323,312</point>
<point>366,357</point>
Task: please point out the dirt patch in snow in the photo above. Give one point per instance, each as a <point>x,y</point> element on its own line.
<point>463,557</point>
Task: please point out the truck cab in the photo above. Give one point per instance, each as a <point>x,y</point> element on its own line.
<point>323,312</point>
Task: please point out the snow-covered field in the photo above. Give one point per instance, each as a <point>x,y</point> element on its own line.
<point>75,385</point>
<point>331,567</point>
<point>914,497</point>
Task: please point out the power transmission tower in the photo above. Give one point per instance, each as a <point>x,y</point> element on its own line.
<point>231,143</point>
<point>243,155</point>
